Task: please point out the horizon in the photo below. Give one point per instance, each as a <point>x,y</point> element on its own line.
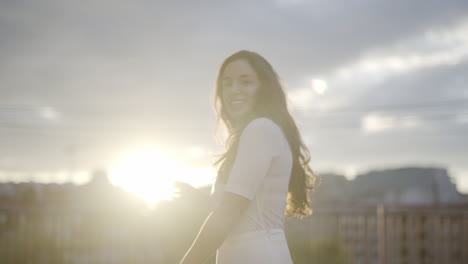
<point>208,181</point>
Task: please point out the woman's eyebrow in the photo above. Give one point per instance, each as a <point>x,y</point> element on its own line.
<point>242,76</point>
<point>245,76</point>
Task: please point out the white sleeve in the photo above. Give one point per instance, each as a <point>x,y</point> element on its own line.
<point>258,144</point>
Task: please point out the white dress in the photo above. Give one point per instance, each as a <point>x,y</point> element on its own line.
<point>260,173</point>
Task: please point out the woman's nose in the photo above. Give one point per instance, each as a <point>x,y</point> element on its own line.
<point>235,87</point>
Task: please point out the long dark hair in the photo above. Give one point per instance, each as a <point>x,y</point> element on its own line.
<point>270,103</point>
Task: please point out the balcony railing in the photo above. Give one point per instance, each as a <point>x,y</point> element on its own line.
<point>384,234</point>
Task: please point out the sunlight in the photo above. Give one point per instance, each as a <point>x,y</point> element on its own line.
<point>375,122</point>
<point>151,175</point>
<point>319,86</point>
<point>198,177</point>
<point>147,173</point>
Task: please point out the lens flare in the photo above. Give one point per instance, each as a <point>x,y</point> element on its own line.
<point>147,173</point>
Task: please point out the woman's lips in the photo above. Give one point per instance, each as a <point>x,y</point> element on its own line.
<point>237,102</point>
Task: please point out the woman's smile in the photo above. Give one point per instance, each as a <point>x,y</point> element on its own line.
<point>239,88</point>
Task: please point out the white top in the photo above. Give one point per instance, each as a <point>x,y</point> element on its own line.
<point>261,173</point>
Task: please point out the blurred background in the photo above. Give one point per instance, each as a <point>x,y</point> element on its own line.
<point>107,125</point>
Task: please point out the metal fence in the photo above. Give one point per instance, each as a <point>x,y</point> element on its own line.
<point>32,235</point>
<point>391,234</point>
<point>384,234</point>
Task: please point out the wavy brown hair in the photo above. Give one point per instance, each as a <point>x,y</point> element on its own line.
<point>270,103</point>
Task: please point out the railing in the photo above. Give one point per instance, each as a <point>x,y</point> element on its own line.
<point>391,234</point>
<point>359,235</point>
<point>52,236</point>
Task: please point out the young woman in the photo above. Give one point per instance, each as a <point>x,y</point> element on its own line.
<point>264,174</point>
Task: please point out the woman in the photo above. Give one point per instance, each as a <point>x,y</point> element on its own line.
<point>264,174</point>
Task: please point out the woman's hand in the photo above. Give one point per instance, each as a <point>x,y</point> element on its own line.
<point>216,228</point>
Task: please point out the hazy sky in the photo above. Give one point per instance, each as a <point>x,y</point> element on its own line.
<point>84,82</point>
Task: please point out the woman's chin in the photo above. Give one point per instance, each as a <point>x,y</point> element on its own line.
<point>238,115</point>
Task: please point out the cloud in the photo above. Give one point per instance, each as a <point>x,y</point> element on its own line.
<point>120,71</point>
<point>461,177</point>
<point>433,48</point>
<point>50,113</point>
<point>377,122</point>
<point>302,98</point>
<point>289,2</point>
<point>411,122</point>
<point>462,118</point>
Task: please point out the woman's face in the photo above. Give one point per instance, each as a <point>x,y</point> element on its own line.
<point>239,85</point>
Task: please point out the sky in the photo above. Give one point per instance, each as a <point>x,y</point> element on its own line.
<point>372,84</point>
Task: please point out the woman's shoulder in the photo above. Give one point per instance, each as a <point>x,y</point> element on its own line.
<point>263,122</point>
<point>264,126</point>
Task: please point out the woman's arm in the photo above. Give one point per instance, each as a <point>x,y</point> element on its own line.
<point>259,142</point>
<point>216,228</point>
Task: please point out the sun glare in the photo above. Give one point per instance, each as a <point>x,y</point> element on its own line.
<point>147,173</point>
<point>151,175</point>
<point>319,86</point>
